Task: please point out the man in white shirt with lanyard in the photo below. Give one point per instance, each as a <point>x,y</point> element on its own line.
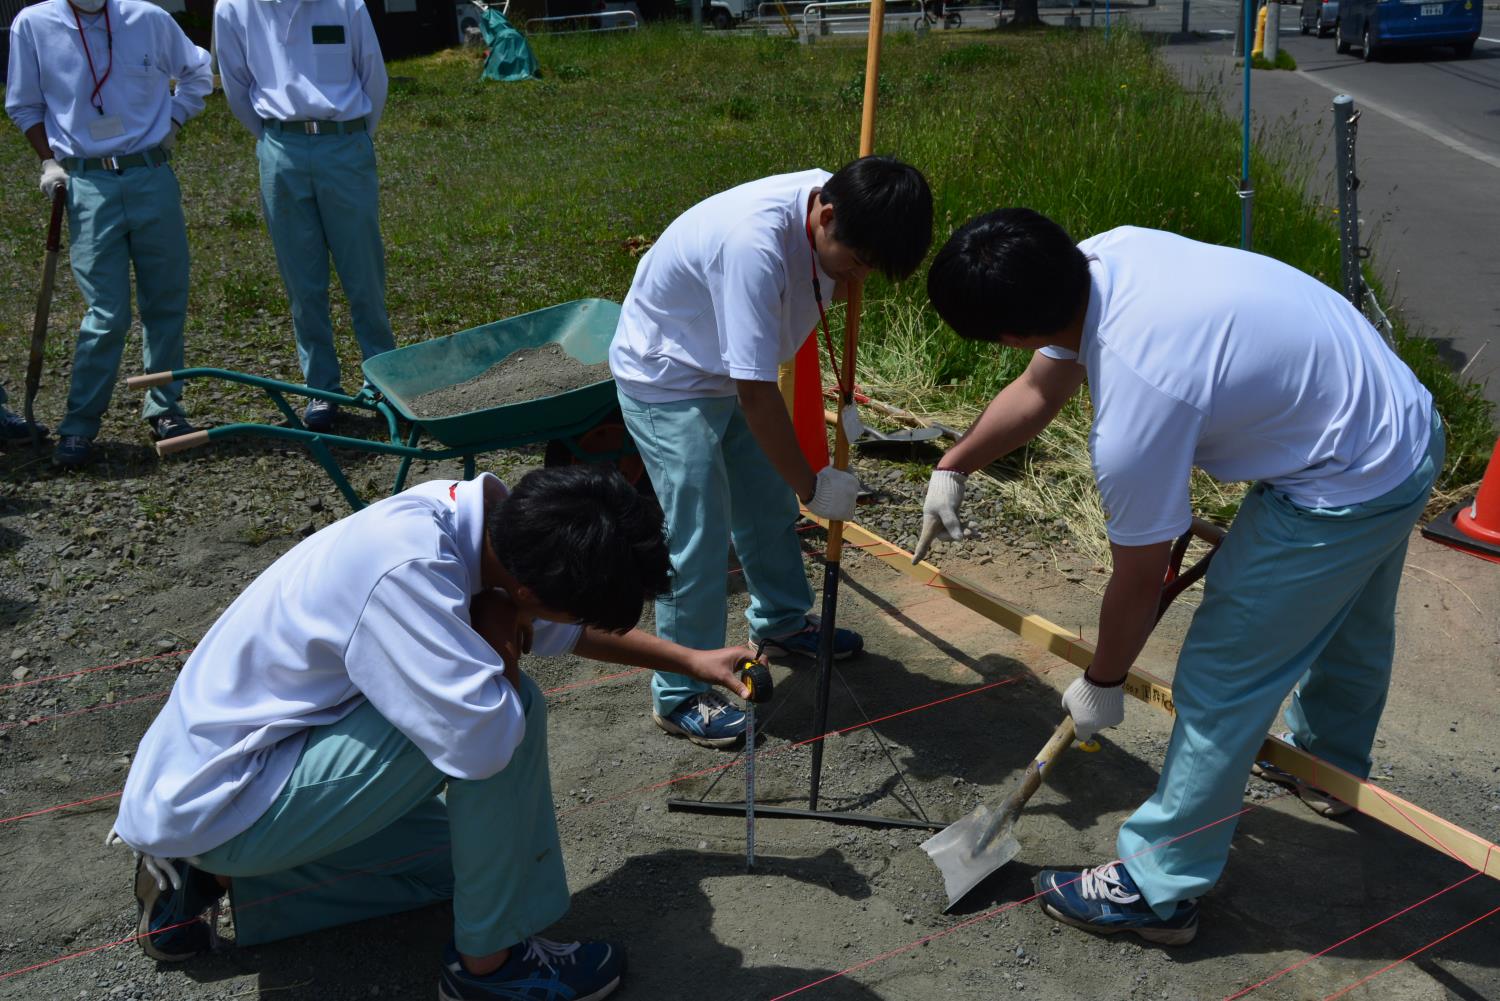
<point>1200,355</point>
<point>307,79</point>
<point>354,737</point>
<point>729,291</point>
<point>90,85</point>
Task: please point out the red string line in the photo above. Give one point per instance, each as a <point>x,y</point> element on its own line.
<point>91,670</point>
<point>33,721</point>
<point>1323,952</point>
<point>62,806</point>
<point>1415,952</point>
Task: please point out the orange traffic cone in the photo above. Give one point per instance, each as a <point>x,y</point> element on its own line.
<point>1474,526</point>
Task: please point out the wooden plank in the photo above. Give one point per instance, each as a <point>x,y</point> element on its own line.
<point>1368,798</point>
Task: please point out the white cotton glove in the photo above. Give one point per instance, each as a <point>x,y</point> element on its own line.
<point>854,428</point>
<point>53,177</point>
<point>169,141</point>
<point>164,873</point>
<point>834,495</point>
<point>945,494</point>
<point>1093,708</point>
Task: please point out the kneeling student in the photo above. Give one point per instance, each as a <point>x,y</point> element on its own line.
<point>354,737</point>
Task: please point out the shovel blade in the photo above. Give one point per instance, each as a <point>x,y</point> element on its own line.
<point>952,849</point>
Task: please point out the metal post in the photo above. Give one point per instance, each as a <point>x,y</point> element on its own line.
<point>697,6</point>
<point>1239,31</point>
<point>1273,31</point>
<point>1345,127</point>
<point>1186,6</point>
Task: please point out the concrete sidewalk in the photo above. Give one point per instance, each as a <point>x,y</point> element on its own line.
<point>1427,201</point>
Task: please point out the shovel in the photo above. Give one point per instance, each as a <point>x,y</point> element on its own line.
<point>860,433</point>
<point>968,850</point>
<point>43,307</point>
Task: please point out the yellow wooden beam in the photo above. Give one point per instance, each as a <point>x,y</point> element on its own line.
<point>1368,798</point>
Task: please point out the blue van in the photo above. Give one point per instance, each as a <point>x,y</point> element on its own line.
<point>1374,26</point>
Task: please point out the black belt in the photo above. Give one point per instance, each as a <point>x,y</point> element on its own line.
<point>150,158</point>
<point>313,127</point>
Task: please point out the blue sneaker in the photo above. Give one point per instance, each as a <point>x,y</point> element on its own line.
<point>1105,901</point>
<point>319,415</point>
<point>708,719</point>
<point>538,970</point>
<point>804,642</point>
<point>73,451</point>
<point>177,913</point>
<point>14,430</point>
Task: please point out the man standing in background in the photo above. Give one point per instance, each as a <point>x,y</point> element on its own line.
<point>90,85</point>
<point>309,82</point>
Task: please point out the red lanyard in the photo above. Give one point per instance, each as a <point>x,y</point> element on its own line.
<point>812,251</point>
<point>109,45</point>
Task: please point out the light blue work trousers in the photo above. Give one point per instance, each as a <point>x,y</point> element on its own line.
<point>714,483</point>
<point>367,826</point>
<point>1295,597</point>
<point>320,195</point>
<point>116,220</point>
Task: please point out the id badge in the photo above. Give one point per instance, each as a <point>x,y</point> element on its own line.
<point>102,127</point>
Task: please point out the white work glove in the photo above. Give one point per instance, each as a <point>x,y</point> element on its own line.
<point>945,493</point>
<point>1093,708</point>
<point>169,141</point>
<point>160,869</point>
<point>53,177</point>
<point>834,495</point>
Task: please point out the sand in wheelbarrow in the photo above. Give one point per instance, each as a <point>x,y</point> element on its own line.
<point>528,374</point>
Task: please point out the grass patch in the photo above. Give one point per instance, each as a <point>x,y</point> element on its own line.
<point>1283,61</point>
<point>501,198</point>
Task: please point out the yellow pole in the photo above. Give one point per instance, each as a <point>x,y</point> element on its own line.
<point>1260,34</point>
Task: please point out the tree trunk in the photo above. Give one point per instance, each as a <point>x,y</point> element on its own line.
<point>1026,14</point>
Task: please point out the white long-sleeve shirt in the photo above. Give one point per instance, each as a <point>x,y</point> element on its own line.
<point>137,50</point>
<point>372,608</point>
<point>295,60</point>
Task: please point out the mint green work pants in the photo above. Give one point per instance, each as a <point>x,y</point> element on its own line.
<point>320,195</point>
<point>117,221</point>
<point>366,826</point>
<point>1296,598</point>
<point>714,483</point>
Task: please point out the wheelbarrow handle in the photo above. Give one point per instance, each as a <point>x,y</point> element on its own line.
<point>150,379</point>
<point>181,443</point>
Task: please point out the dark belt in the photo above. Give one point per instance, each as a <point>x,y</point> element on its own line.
<point>313,127</point>
<point>150,158</point>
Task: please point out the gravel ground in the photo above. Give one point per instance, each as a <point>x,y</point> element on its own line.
<point>135,558</point>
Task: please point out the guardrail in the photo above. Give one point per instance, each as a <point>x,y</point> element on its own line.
<point>607,19</point>
<point>816,19</point>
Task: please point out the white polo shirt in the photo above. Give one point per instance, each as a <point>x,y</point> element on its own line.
<point>295,60</point>
<point>725,293</point>
<point>372,608</point>
<point>1208,356</point>
<point>137,50</point>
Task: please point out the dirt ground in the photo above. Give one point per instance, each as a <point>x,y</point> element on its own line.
<point>126,562</point>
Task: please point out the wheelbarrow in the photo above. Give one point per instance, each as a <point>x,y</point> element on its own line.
<point>579,425</point>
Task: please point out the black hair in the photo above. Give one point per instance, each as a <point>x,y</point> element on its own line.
<point>882,210</point>
<point>585,541</point>
<point>1012,271</point>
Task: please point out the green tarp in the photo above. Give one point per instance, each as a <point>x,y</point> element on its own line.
<point>510,57</point>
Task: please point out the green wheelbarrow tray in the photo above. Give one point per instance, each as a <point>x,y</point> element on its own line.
<point>583,329</point>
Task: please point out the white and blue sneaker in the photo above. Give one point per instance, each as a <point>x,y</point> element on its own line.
<point>804,642</point>
<point>1105,900</point>
<point>538,970</point>
<point>170,923</point>
<point>708,719</point>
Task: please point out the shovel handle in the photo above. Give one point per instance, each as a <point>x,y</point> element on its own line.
<point>181,443</point>
<point>1030,783</point>
<point>148,380</point>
